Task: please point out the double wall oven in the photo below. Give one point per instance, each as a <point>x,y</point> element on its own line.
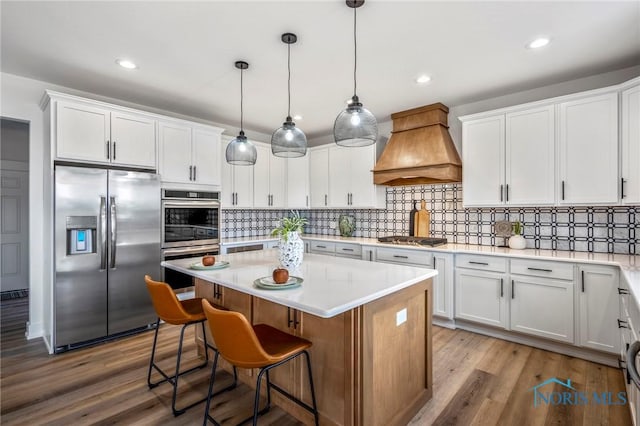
<point>190,228</point>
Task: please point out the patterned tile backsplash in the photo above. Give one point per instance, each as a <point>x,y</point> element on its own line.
<point>594,229</point>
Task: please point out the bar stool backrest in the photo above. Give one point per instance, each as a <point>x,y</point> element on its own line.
<point>235,339</point>
<point>166,303</point>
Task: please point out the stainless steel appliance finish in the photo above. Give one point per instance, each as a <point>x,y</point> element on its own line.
<point>413,241</point>
<point>107,237</point>
<point>190,218</point>
<point>178,280</point>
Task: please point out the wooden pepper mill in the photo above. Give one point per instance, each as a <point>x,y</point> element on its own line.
<point>421,225</point>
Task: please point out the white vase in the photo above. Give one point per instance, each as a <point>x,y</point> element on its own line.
<point>291,250</point>
<point>517,242</point>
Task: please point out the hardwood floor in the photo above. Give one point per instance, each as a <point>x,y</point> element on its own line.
<point>477,380</point>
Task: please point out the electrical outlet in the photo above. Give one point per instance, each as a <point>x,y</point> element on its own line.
<point>401,316</point>
<point>332,225</point>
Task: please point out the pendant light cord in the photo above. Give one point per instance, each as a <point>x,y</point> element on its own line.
<point>355,52</point>
<point>241,102</point>
<point>289,80</point>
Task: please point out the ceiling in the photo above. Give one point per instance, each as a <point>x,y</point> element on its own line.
<point>186,50</point>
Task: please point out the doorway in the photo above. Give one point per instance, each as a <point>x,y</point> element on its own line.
<point>14,208</point>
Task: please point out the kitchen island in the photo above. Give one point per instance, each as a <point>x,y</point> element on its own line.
<point>370,325</point>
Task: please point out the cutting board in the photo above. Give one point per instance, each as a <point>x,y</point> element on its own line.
<point>421,225</point>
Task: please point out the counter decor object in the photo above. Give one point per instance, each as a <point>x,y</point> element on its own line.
<point>267,283</point>
<point>412,217</point>
<point>421,225</point>
<point>503,229</point>
<point>517,241</point>
<point>198,266</point>
<point>346,225</point>
<point>291,245</point>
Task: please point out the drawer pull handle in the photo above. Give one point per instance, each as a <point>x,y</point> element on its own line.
<point>540,269</point>
<point>347,249</point>
<point>321,246</point>
<point>623,291</point>
<point>622,324</point>
<point>400,257</point>
<point>478,263</point>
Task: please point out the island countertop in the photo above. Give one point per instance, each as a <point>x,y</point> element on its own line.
<point>331,286</point>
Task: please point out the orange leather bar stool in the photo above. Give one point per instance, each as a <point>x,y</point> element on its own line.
<point>173,311</point>
<point>259,346</point>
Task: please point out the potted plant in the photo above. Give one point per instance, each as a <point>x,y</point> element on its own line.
<point>517,241</point>
<point>291,246</point>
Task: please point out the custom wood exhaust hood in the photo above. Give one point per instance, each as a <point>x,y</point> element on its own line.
<point>420,150</point>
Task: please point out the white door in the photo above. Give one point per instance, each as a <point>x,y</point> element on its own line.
<point>542,307</point>
<point>443,285</point>
<point>278,181</point>
<point>599,308</point>
<point>481,297</point>
<point>319,177</point>
<point>483,159</point>
<point>362,190</point>
<point>298,182</point>
<point>133,140</point>
<point>206,157</point>
<point>339,176</point>
<point>14,245</point>
<point>589,150</point>
<point>530,157</point>
<point>261,170</point>
<point>630,191</point>
<point>175,153</point>
<point>82,132</point>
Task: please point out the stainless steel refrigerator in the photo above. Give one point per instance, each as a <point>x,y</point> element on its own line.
<point>107,237</point>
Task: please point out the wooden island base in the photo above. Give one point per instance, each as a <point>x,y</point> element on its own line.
<point>370,366</point>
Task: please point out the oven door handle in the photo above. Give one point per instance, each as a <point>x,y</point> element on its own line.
<point>198,204</point>
<point>190,250</point>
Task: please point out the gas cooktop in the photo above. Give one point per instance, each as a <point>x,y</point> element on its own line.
<point>413,241</point>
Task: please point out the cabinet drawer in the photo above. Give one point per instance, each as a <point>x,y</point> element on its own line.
<point>323,246</point>
<point>484,263</point>
<point>540,268</point>
<point>349,249</point>
<point>409,257</point>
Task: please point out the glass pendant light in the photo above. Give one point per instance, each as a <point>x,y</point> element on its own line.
<point>241,152</point>
<point>355,125</point>
<point>289,140</point>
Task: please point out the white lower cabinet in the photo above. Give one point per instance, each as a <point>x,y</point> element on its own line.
<point>542,307</point>
<point>481,297</point>
<point>443,285</point>
<point>599,307</point>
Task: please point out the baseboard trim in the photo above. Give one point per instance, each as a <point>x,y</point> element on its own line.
<point>34,330</point>
<point>444,322</point>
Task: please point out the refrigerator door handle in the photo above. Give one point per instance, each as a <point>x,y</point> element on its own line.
<point>113,221</point>
<point>103,233</point>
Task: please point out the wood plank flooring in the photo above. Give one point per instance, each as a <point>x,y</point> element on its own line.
<point>478,380</point>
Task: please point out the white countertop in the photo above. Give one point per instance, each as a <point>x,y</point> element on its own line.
<point>332,285</point>
<point>247,240</point>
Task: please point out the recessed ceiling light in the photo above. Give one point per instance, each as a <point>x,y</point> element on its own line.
<point>423,79</point>
<point>125,63</point>
<point>297,117</point>
<point>538,43</point>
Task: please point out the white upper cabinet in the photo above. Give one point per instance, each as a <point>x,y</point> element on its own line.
<point>298,182</point>
<point>189,154</point>
<point>351,178</point>
<point>319,177</point>
<point>509,159</point>
<point>237,182</point>
<point>630,180</point>
<point>530,157</point>
<point>588,150</point>
<point>483,161</point>
<point>270,180</point>
<point>89,133</point>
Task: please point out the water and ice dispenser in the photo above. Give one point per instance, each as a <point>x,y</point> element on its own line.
<point>81,234</point>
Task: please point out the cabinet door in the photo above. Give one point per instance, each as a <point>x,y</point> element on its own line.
<point>82,132</point>
<point>530,157</point>
<point>443,285</point>
<point>483,158</point>
<point>133,140</point>
<point>277,181</point>
<point>261,188</point>
<point>339,176</point>
<point>599,308</point>
<point>175,153</point>
<point>542,307</point>
<point>319,177</point>
<point>361,189</point>
<point>589,150</point>
<point>630,191</point>
<point>243,186</point>
<point>481,297</point>
<point>206,157</point>
<point>298,182</point>
<point>227,194</point>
